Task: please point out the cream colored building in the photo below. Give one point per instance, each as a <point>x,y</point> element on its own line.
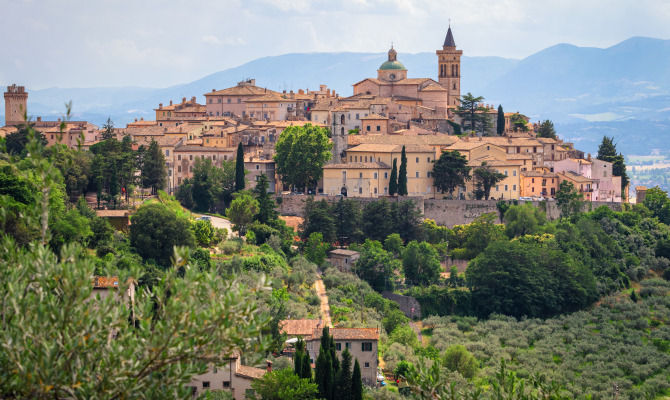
<point>362,344</point>
<point>231,376</point>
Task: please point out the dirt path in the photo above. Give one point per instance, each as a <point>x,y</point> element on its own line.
<point>417,326</point>
<point>325,308</point>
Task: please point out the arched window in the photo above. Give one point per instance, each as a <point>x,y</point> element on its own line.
<point>342,119</point>
<point>342,130</point>
<point>456,69</point>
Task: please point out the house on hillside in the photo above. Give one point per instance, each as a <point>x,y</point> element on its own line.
<point>231,376</point>
<point>343,259</point>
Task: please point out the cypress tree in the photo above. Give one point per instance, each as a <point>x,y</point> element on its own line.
<point>306,367</point>
<point>402,175</point>
<point>356,383</point>
<point>500,128</point>
<point>324,374</point>
<point>393,182</point>
<point>344,378</point>
<point>298,357</point>
<point>239,168</point>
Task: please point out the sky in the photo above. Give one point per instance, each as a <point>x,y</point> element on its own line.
<point>152,43</point>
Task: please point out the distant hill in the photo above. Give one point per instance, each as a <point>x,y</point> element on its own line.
<point>586,91</point>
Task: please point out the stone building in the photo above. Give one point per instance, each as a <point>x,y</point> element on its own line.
<point>16,104</point>
<point>231,376</point>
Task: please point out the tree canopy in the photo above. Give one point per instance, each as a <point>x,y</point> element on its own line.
<point>607,152</point>
<point>301,153</point>
<point>485,177</point>
<point>546,130</point>
<point>450,171</point>
<point>473,114</point>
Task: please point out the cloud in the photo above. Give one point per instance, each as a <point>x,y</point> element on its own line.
<point>227,41</point>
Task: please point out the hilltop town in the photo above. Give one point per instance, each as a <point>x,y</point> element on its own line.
<point>368,131</point>
<point>409,241</point>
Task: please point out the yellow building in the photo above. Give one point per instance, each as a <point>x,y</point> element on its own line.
<point>356,179</point>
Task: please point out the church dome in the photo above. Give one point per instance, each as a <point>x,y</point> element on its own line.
<point>392,62</point>
<point>392,65</point>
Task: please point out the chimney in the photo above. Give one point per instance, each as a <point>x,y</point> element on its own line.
<point>183,100</point>
<point>170,102</point>
<point>135,119</point>
<point>142,119</point>
<point>39,119</point>
<point>193,99</point>
<point>160,105</point>
<point>213,90</point>
<point>300,91</point>
<point>269,364</point>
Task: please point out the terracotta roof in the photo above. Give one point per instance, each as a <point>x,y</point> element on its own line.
<point>250,372</point>
<point>105,282</point>
<point>358,165</point>
<point>433,87</point>
<point>111,213</point>
<point>391,148</point>
<point>203,148</point>
<point>299,327</point>
<point>374,116</point>
<point>270,98</point>
<point>539,174</point>
<point>470,144</point>
<point>438,139</point>
<point>242,90</point>
<point>575,177</point>
<point>344,252</point>
<point>350,333</point>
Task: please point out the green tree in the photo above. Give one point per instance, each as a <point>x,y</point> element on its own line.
<point>406,220</point>
<point>402,174</point>
<point>315,248</point>
<point>239,168</point>
<point>319,218</point>
<point>84,345</point>
<point>347,216</point>
<point>519,122</point>
<point>75,167</point>
<point>485,178</point>
<point>210,185</point>
<point>420,263</point>
<point>472,113</point>
<point>607,152</point>
<point>527,279</point>
<point>500,125</point>
<point>284,384</point>
<point>204,232</point>
<point>15,142</point>
<point>394,244</point>
<point>568,199</point>
<point>356,382</point>
<point>154,173</point>
<point>107,131</point>
<point>343,380</point>
<point>458,358</point>
<point>267,214</point>
<point>242,211</point>
<point>450,171</point>
<point>393,179</point>
<point>301,153</point>
<point>546,130</point>
<point>325,370</point>
<point>657,201</point>
<point>524,219</point>
<point>156,229</point>
<point>376,220</point>
<point>376,265</point>
<point>301,364</point>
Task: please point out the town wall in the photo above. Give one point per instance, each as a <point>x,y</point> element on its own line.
<point>408,305</point>
<point>444,212</point>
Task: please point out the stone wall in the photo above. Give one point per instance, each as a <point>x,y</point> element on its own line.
<point>408,305</point>
<point>444,212</point>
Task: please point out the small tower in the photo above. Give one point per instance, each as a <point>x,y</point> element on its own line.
<point>449,69</point>
<point>16,103</point>
<point>392,70</point>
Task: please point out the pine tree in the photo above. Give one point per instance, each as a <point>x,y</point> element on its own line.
<point>239,168</point>
<point>356,383</point>
<point>344,378</point>
<point>607,152</point>
<point>393,182</point>
<point>402,176</point>
<point>500,127</point>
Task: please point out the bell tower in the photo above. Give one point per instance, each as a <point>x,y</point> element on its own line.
<point>16,102</point>
<point>449,69</point>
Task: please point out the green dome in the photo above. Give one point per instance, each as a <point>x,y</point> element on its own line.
<point>392,65</point>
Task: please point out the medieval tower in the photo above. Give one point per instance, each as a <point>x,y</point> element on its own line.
<point>16,102</point>
<point>449,71</point>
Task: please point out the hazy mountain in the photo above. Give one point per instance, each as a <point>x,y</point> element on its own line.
<point>577,87</point>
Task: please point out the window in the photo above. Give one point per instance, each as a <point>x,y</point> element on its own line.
<point>356,158</point>
<point>375,190</point>
<point>210,102</point>
<point>338,346</point>
<point>179,157</point>
<point>360,174</point>
<point>239,101</point>
<point>205,384</point>
<point>179,168</point>
<point>367,365</point>
<point>167,152</point>
<point>347,345</point>
<point>497,188</point>
<point>367,128</point>
<point>386,190</point>
<point>190,157</point>
<point>532,180</point>
<point>428,159</point>
<point>357,117</point>
<point>417,174</point>
<point>514,173</point>
<point>360,190</point>
<point>366,158</point>
<point>228,100</point>
<point>366,346</point>
<point>386,175</point>
<point>514,188</point>
<point>350,158</point>
<point>544,182</point>
<point>505,172</point>
<point>226,384</point>
<point>506,188</point>
<point>344,175</point>
<point>375,175</point>
<point>417,159</point>
<point>258,167</point>
<point>428,174</point>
